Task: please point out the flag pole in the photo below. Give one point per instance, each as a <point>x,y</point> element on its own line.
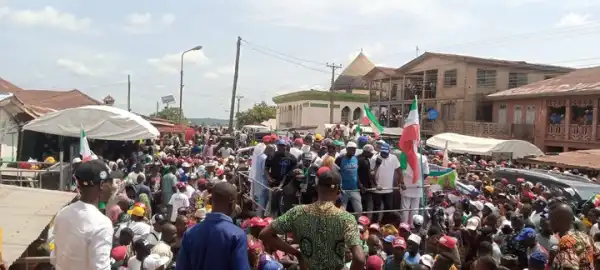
<point>420,153</point>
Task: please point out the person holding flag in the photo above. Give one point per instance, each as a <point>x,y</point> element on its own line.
<point>414,166</point>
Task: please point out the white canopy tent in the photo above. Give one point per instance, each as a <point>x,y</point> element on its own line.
<point>464,144</point>
<point>98,121</point>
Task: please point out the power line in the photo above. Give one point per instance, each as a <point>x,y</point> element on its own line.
<point>283,54</point>
<point>286,60</point>
<point>548,33</point>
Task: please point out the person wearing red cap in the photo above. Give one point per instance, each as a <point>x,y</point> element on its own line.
<point>395,261</point>
<point>324,229</point>
<point>374,262</point>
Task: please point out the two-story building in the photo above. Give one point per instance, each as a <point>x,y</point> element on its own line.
<point>305,110</point>
<point>563,110</point>
<point>452,91</point>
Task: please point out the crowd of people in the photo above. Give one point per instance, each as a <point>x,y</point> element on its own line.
<point>311,202</point>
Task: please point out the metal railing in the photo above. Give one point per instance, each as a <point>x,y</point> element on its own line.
<point>28,177</point>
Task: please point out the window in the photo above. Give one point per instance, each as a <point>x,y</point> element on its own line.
<point>502,114</point>
<point>530,115</point>
<point>448,111</point>
<point>450,78</point>
<point>394,91</point>
<point>517,114</point>
<point>486,78</point>
<point>516,79</point>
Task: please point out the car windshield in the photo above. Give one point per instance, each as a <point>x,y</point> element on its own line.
<point>587,192</point>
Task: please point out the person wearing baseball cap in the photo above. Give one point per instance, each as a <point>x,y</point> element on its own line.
<point>278,167</point>
<point>82,220</point>
<point>395,261</point>
<point>296,149</point>
<point>305,222</point>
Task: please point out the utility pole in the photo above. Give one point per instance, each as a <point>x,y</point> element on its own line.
<point>417,51</point>
<point>235,79</point>
<point>333,67</point>
<point>238,104</point>
<point>128,93</point>
<point>157,106</point>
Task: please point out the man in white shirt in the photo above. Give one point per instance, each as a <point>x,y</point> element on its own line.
<point>295,150</point>
<point>178,200</point>
<point>140,228</point>
<point>413,193</point>
<point>225,151</point>
<point>82,234</point>
<point>387,175</point>
<point>331,152</point>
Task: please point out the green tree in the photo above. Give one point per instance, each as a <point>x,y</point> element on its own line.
<point>256,115</point>
<point>169,113</point>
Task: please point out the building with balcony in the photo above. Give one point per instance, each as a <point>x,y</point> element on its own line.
<point>562,113</point>
<point>452,90</point>
<point>305,110</point>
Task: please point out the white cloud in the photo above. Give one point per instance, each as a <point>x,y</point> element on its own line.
<point>574,19</point>
<point>317,14</point>
<point>518,3</point>
<point>144,23</point>
<point>75,67</point>
<point>226,70</point>
<point>170,63</point>
<point>168,19</point>
<point>211,75</point>
<point>46,17</point>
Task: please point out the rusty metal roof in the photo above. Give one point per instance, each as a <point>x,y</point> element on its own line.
<point>7,87</point>
<point>25,214</point>
<point>484,61</point>
<point>56,100</point>
<point>387,71</point>
<point>579,82</point>
<point>582,159</point>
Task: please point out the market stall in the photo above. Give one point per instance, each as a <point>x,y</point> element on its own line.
<point>463,144</point>
<point>582,159</point>
<point>98,121</point>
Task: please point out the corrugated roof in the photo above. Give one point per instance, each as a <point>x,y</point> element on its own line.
<point>7,87</point>
<point>579,82</point>
<point>25,214</point>
<point>387,71</point>
<point>589,159</point>
<point>484,61</point>
<point>56,100</point>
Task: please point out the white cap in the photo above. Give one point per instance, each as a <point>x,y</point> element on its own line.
<point>491,206</point>
<point>435,187</point>
<point>478,205</point>
<point>472,224</point>
<point>417,220</point>
<point>415,238</point>
<point>351,144</point>
<point>155,261</point>
<point>76,160</point>
<point>185,165</point>
<point>453,198</point>
<point>427,260</point>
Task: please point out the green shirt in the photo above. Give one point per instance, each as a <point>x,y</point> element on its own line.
<point>323,230</point>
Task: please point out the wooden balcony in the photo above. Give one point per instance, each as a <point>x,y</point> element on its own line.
<point>572,132</point>
<point>489,130</point>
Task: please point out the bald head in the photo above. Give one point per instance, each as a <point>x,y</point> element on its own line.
<point>561,218</point>
<point>224,195</point>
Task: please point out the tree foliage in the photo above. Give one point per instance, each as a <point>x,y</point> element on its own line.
<point>169,113</point>
<point>256,115</point>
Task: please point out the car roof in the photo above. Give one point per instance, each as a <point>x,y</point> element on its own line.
<point>558,177</point>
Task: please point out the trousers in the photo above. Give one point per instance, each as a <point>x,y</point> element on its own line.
<point>409,203</point>
<point>354,198</point>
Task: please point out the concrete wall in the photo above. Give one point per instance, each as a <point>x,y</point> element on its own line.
<point>9,137</point>
<point>313,112</point>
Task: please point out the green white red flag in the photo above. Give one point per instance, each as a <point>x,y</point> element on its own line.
<point>411,135</point>
<point>84,147</point>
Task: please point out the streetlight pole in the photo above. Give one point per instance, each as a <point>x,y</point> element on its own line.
<point>197,48</point>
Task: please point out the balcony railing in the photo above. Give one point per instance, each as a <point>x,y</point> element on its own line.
<point>489,130</point>
<point>578,133</point>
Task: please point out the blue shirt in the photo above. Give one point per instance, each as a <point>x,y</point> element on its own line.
<point>215,243</point>
<point>349,172</point>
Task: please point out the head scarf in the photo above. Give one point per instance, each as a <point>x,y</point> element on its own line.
<point>143,198</point>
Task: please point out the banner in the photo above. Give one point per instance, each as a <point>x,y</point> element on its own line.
<point>445,177</point>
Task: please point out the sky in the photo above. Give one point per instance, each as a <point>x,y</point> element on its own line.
<point>94,45</point>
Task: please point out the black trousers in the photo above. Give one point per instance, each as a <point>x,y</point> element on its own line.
<point>387,201</point>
